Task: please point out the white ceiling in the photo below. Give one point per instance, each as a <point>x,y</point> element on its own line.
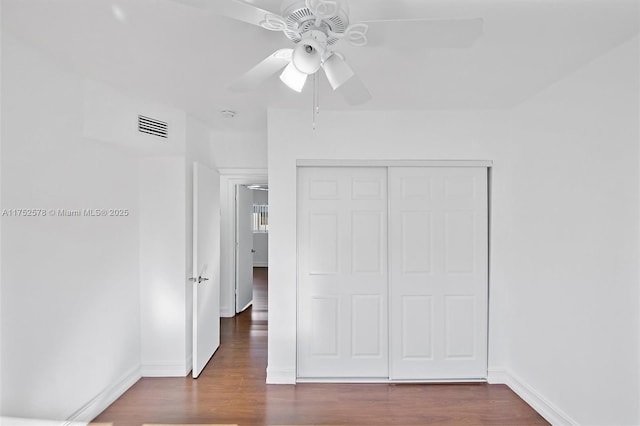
<point>185,56</point>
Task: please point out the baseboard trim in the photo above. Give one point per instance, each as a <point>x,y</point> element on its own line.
<point>281,377</point>
<point>382,380</point>
<point>104,399</point>
<point>226,312</point>
<point>247,305</point>
<point>260,264</point>
<point>166,369</point>
<point>188,368</point>
<point>544,407</point>
<point>497,376</point>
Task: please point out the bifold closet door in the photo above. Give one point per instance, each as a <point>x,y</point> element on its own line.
<point>438,233</point>
<point>342,273</point>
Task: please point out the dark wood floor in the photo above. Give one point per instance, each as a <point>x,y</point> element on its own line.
<point>232,390</point>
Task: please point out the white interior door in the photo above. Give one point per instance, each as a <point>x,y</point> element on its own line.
<point>244,248</point>
<point>342,272</point>
<point>206,265</point>
<point>438,273</point>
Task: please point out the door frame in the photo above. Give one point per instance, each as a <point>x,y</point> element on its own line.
<point>488,164</point>
<point>240,307</point>
<point>229,178</point>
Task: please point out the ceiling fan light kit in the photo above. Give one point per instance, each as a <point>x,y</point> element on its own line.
<point>315,26</point>
<point>307,56</point>
<point>337,70</point>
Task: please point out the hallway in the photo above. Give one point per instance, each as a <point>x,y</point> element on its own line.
<point>232,390</point>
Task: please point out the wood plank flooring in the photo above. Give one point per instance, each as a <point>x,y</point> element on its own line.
<point>232,390</point>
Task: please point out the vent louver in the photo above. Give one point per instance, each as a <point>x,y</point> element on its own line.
<point>153,127</point>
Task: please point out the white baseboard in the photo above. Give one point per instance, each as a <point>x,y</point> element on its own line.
<point>381,380</point>
<point>227,312</point>
<point>100,402</point>
<point>281,377</point>
<point>544,407</point>
<point>189,366</point>
<point>247,305</point>
<point>497,376</point>
<point>260,264</point>
<point>166,369</point>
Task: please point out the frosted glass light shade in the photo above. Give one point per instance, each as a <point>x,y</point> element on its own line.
<point>293,78</point>
<point>337,71</point>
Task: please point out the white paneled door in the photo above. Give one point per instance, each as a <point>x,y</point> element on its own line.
<point>206,266</point>
<point>438,272</point>
<point>418,312</point>
<point>342,267</point>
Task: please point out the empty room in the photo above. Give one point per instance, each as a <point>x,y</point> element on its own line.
<point>320,212</point>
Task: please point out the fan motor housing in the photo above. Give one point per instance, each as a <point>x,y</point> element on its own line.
<point>297,15</point>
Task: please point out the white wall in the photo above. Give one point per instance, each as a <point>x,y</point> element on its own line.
<point>376,135</point>
<point>90,304</point>
<point>232,149</point>
<point>261,246</point>
<point>261,239</point>
<point>564,283</point>
<point>166,247</point>
<point>163,283</point>
<point>70,297</point>
<point>111,115</point>
<point>166,208</point>
<point>573,278</point>
<point>1,118</point>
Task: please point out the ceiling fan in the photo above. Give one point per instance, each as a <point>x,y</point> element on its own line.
<point>316,26</point>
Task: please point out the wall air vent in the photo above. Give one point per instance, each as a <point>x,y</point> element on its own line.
<point>153,127</point>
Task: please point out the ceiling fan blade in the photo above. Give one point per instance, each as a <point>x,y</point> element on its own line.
<point>354,91</point>
<point>253,78</point>
<point>234,9</point>
<point>337,71</point>
<point>194,3</point>
<point>242,11</point>
<point>420,33</point>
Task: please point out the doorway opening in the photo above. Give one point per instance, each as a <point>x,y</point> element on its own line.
<point>230,179</point>
<point>252,240</point>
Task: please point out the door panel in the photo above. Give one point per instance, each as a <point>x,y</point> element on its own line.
<point>459,327</point>
<point>322,254</point>
<point>342,272</point>
<point>438,273</point>
<point>325,323</point>
<point>366,231</point>
<point>415,242</point>
<point>417,310</point>
<point>366,324</point>
<point>206,266</point>
<point>459,236</point>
